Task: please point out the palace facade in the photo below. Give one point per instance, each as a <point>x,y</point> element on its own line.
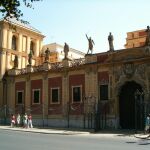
<point>103,90</point>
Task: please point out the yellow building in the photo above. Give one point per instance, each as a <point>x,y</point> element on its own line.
<point>18,39</point>
<point>136,38</point>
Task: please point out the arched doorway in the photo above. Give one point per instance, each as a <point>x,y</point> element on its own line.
<point>131,111</point>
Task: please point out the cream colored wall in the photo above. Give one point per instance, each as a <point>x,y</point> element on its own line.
<point>24,38</point>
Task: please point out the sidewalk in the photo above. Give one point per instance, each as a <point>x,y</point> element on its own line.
<point>44,130</point>
<point>77,132</point>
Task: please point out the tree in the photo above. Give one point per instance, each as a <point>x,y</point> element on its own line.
<point>10,8</point>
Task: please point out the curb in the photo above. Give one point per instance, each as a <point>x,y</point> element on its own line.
<point>51,131</point>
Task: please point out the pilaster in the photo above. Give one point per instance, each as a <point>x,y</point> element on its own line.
<point>19,62</point>
<point>28,44</point>
<point>37,48</point>
<point>2,63</point>
<point>9,39</point>
<point>28,100</point>
<point>20,43</point>
<point>11,94</point>
<point>4,39</point>
<point>65,90</point>
<point>91,81</point>
<point>45,93</point>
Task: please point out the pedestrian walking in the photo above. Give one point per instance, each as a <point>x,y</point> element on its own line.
<point>147,124</point>
<point>13,120</point>
<point>30,121</point>
<point>25,121</point>
<point>18,120</point>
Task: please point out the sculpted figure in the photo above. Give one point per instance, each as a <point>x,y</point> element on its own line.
<point>47,54</point>
<point>110,40</point>
<point>66,50</point>
<point>30,58</point>
<point>91,42</point>
<point>16,62</point>
<point>147,42</point>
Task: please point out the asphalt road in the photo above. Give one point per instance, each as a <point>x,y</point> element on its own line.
<point>16,140</point>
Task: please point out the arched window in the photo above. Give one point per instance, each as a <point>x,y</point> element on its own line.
<point>14,43</point>
<point>32,47</point>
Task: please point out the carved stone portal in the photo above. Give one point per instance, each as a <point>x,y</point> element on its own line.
<point>129,70</point>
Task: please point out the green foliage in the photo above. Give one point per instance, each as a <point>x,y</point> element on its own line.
<point>10,8</point>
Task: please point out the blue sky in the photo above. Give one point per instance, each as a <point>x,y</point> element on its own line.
<point>69,20</point>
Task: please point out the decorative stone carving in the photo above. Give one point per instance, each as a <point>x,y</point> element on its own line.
<point>128,69</point>
<point>77,62</point>
<point>140,70</point>
<point>118,72</point>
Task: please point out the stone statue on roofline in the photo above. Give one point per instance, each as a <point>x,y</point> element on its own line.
<point>147,42</point>
<point>30,55</point>
<point>110,41</point>
<point>47,54</point>
<point>91,42</point>
<point>15,62</point>
<point>66,50</point>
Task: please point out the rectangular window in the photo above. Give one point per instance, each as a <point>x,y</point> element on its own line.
<point>19,97</point>
<point>36,96</point>
<point>76,94</point>
<point>103,92</point>
<point>55,95</point>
